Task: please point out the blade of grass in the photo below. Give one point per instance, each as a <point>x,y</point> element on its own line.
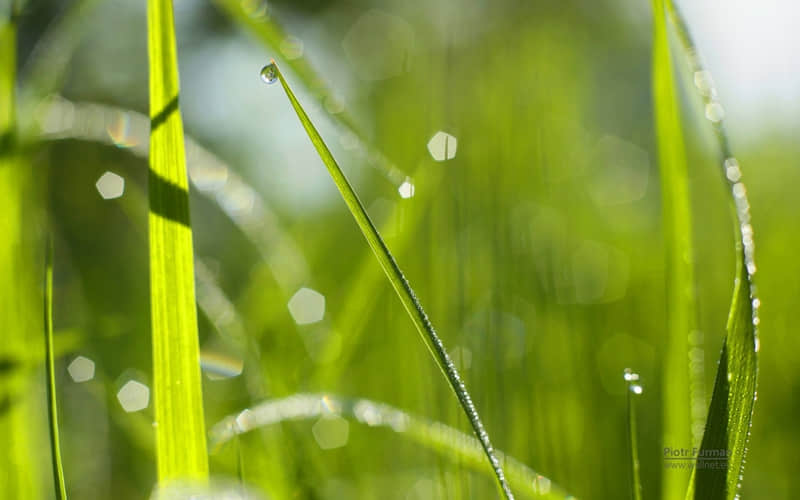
<point>8,64</point>
<point>19,478</point>
<point>399,283</point>
<point>180,431</point>
<point>679,384</point>
<point>363,290</point>
<point>52,400</point>
<point>634,389</point>
<point>451,443</point>
<point>732,403</point>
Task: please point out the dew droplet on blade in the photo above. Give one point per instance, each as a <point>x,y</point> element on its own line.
<point>269,73</point>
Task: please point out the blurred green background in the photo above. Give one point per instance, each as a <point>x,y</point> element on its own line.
<point>536,248</point>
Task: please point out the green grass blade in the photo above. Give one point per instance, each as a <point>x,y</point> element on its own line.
<point>52,400</point>
<point>452,444</point>
<point>634,389</point>
<point>8,72</point>
<point>180,431</point>
<point>19,477</point>
<point>731,411</point>
<point>679,385</point>
<point>398,281</point>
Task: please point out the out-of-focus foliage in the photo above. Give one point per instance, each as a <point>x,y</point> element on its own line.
<point>538,244</point>
<point>21,432</point>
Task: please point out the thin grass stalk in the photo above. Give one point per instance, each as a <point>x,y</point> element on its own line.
<point>52,400</point>
<point>634,389</point>
<point>398,282</point>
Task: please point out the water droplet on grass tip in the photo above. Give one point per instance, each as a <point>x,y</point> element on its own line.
<point>630,375</point>
<point>269,73</point>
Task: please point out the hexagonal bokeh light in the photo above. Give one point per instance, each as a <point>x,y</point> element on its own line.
<point>307,306</point>
<point>442,146</point>
<point>81,369</point>
<point>133,396</point>
<point>110,186</point>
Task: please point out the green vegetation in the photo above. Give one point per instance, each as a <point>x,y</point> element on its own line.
<point>396,278</point>
<point>678,401</point>
<point>731,411</point>
<point>549,180</point>
<point>180,427</point>
<point>52,399</point>
<point>19,311</point>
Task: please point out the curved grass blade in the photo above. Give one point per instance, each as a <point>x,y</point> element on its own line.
<point>680,385</point>
<point>731,410</point>
<point>451,443</point>
<point>397,279</point>
<point>634,389</point>
<point>180,431</point>
<point>52,400</point>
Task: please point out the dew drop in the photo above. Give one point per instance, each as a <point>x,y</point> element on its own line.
<point>269,73</point>
<point>703,82</point>
<point>715,112</point>
<point>630,376</point>
<point>732,170</point>
<point>636,388</point>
